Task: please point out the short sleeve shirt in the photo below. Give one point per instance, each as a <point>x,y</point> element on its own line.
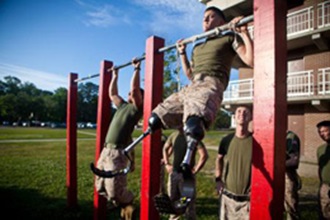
<point>178,141</point>
<point>323,158</point>
<point>214,57</point>
<point>122,124</point>
<point>237,163</point>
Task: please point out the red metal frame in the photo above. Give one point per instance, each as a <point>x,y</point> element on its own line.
<point>270,109</point>
<point>103,120</point>
<point>71,142</point>
<point>151,154</point>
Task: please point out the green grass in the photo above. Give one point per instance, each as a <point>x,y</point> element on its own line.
<point>24,133</point>
<point>33,177</point>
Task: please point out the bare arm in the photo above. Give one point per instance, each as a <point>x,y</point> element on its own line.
<point>113,89</point>
<point>167,152</point>
<point>245,49</point>
<point>218,172</point>
<point>184,59</point>
<point>135,85</point>
<point>203,156</point>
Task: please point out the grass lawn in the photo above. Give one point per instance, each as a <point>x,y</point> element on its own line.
<point>33,176</point>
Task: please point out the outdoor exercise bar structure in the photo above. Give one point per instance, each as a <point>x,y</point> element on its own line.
<point>269,113</point>
<point>215,31</point>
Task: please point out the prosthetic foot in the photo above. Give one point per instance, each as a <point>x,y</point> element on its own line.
<point>164,205</point>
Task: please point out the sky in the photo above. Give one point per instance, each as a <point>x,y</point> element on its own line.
<point>42,41</point>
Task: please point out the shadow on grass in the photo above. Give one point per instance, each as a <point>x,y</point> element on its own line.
<point>308,207</point>
<point>207,208</point>
<point>30,204</point>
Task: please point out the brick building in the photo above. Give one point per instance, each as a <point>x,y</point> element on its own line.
<point>308,77</point>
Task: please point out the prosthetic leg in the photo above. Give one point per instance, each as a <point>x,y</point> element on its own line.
<point>194,131</point>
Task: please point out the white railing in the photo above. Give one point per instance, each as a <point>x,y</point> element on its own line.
<point>239,90</point>
<point>323,14</point>
<point>323,81</point>
<point>300,21</point>
<point>299,85</point>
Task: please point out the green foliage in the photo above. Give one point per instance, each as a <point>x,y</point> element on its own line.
<point>222,121</point>
<point>171,73</point>
<point>24,102</point>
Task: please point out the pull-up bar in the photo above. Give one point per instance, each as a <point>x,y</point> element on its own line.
<point>215,31</point>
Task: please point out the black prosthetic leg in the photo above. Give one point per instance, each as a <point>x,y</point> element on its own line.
<point>194,131</point>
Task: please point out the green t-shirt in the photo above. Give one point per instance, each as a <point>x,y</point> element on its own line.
<point>214,57</point>
<point>122,124</point>
<point>323,158</point>
<point>237,163</point>
<point>179,144</point>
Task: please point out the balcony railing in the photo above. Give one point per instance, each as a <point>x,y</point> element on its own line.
<point>302,21</point>
<point>324,81</point>
<point>323,12</point>
<point>299,85</point>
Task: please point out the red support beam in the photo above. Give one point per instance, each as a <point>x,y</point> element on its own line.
<point>103,120</point>
<point>71,142</point>
<point>151,154</point>
<point>270,109</point>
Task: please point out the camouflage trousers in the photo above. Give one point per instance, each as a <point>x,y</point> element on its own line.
<point>234,207</point>
<point>201,98</point>
<point>114,189</point>
<point>174,187</point>
<point>324,200</point>
<point>291,198</point>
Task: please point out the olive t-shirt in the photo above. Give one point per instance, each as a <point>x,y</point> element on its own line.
<point>179,144</point>
<point>214,57</point>
<point>122,124</point>
<point>323,158</point>
<point>237,163</point>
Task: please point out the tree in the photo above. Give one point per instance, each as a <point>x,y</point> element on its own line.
<point>87,102</point>
<point>171,73</point>
<point>222,120</point>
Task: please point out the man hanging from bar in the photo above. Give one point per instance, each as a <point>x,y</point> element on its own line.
<point>196,105</point>
<point>112,157</point>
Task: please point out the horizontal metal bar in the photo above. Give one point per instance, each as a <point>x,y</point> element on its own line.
<point>87,77</point>
<point>139,59</point>
<point>215,31</point>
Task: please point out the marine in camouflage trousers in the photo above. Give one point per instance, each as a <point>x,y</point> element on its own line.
<point>201,98</point>
<point>324,200</point>
<point>114,189</point>
<point>291,198</point>
<point>233,206</point>
<point>174,187</point>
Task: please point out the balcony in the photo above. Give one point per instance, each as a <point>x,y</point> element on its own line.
<point>302,87</point>
<point>306,29</point>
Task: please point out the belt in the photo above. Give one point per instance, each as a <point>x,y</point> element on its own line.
<point>238,198</point>
<point>114,146</point>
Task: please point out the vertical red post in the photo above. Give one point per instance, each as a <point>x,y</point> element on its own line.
<point>71,141</point>
<point>103,120</point>
<point>270,109</point>
<point>151,154</point>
